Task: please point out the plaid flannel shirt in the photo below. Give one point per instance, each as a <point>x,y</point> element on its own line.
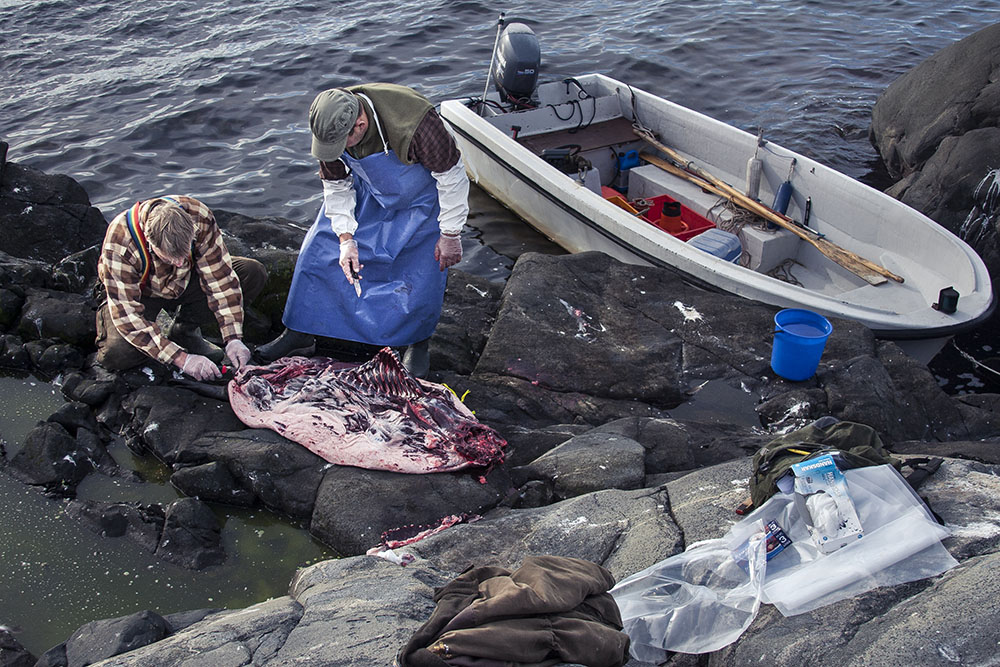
<point>120,269</point>
<point>432,146</point>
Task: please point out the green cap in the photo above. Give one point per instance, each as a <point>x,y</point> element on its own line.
<point>331,117</point>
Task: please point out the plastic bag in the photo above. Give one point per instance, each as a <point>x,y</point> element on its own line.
<point>695,602</point>
<point>901,543</point>
<point>702,600</point>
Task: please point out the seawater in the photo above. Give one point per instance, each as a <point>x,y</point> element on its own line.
<point>58,575</point>
<point>209,98</point>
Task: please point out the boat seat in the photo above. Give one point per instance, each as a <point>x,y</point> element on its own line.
<point>607,133</point>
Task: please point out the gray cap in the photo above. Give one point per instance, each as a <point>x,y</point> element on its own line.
<point>331,117</point>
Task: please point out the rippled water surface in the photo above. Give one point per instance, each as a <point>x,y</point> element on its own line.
<point>209,98</point>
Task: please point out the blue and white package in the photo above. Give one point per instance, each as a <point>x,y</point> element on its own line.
<point>822,495</point>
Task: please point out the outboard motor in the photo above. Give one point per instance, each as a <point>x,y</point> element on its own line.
<point>518,59</point>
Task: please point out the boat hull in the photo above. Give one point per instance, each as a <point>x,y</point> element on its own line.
<point>570,210</point>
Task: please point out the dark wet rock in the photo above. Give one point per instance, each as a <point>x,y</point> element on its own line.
<point>62,315</point>
<point>12,654</point>
<point>534,493</point>
<point>10,307</point>
<point>141,523</point>
<point>282,475</point>
<point>937,127</point>
<point>35,349</point>
<point>99,640</point>
<point>943,619</point>
<point>78,387</point>
<point>796,405</point>
<point>54,657</point>
<point>983,451</point>
<point>703,502</point>
<point>252,636</point>
<point>562,327</point>
<point>17,273</point>
<point>403,500</point>
<point>675,446</point>
<point>626,531</point>
<point>470,307</point>
<point>33,204</point>
<point>591,462</point>
<point>212,482</point>
<point>77,272</point>
<point>524,445</point>
<point>966,495</point>
<point>13,354</point>
<point>186,532</point>
<point>245,234</point>
<point>192,536</point>
<point>50,457</point>
<point>270,303</point>
<point>502,401</point>
<point>183,619</point>
<point>73,416</point>
<point>560,378</point>
<point>165,419</point>
<point>275,242</point>
<point>58,358</point>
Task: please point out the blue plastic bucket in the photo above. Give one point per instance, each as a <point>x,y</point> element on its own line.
<point>799,338</point>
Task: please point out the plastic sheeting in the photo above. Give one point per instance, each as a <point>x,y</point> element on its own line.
<point>701,600</point>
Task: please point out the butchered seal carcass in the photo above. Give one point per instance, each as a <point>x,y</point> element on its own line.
<point>373,415</point>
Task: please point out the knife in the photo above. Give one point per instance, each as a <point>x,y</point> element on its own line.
<point>357,283</point>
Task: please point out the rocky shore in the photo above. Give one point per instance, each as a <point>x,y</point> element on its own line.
<point>582,363</point>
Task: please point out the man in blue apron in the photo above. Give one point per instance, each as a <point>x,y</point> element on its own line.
<point>372,268</point>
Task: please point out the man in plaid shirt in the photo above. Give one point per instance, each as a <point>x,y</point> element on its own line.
<point>167,253</point>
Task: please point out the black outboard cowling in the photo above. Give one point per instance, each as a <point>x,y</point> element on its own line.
<point>518,59</point>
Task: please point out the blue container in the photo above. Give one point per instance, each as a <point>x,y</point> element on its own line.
<point>719,243</point>
<point>627,160</point>
<point>799,338</point>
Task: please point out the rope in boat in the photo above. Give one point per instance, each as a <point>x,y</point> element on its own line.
<point>783,272</point>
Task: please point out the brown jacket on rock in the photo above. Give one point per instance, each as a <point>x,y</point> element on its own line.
<point>550,610</point>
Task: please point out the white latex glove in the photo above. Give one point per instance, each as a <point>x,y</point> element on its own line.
<point>238,353</point>
<point>448,251</point>
<point>339,200</point>
<point>200,368</point>
<point>349,261</point>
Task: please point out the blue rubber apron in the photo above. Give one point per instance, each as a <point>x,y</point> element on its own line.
<point>402,284</point>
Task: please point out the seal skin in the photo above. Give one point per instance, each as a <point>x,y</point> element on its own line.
<point>373,415</point>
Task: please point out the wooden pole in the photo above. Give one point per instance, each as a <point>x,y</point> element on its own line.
<point>865,269</point>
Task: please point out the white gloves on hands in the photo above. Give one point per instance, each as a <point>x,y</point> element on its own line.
<point>200,368</point>
<point>238,353</point>
<point>349,262</point>
<point>448,251</point>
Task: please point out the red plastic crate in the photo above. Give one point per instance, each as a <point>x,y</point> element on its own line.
<point>696,223</point>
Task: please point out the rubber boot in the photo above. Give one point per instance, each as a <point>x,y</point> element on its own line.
<point>417,359</point>
<point>188,336</point>
<point>288,344</point>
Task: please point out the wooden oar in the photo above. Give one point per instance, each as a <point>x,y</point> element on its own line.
<point>863,268</point>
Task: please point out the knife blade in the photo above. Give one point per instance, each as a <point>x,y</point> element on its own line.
<point>357,283</point>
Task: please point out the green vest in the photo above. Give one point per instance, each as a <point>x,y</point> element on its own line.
<point>859,446</point>
<point>400,110</point>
